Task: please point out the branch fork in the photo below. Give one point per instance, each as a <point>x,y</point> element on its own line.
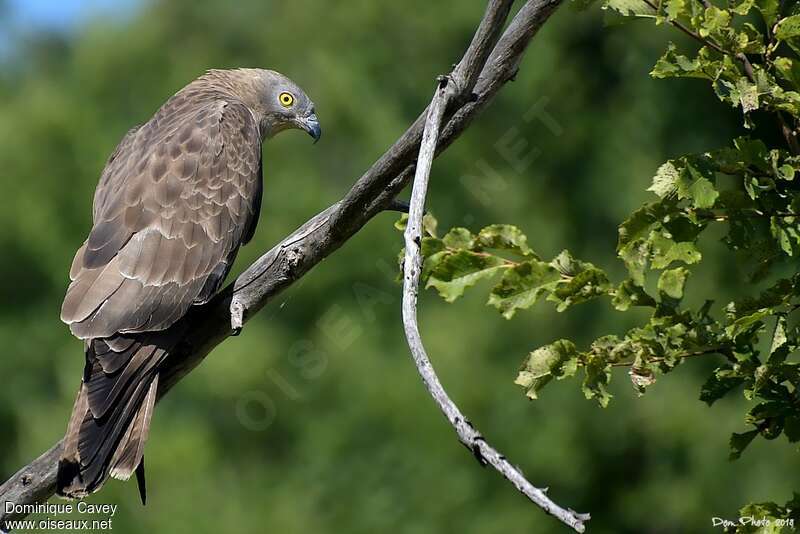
<point>446,90</point>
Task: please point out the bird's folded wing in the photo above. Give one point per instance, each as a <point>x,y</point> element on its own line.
<point>176,200</point>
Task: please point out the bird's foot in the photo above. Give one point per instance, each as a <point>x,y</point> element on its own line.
<point>398,205</point>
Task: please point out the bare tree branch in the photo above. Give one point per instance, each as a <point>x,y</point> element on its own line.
<point>207,326</point>
<point>412,266</point>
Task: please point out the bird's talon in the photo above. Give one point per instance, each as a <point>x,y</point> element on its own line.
<point>399,205</point>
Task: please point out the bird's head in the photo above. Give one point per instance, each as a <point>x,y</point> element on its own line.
<point>277,102</point>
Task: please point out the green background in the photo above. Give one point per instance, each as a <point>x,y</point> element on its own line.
<point>314,420</point>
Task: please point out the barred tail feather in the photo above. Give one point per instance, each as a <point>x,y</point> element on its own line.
<point>111,418</point>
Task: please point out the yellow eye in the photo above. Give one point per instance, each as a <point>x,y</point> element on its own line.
<point>286,99</point>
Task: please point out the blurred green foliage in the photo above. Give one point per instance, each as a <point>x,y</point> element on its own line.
<point>314,419</point>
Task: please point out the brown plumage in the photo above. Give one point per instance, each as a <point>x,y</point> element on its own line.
<point>176,200</point>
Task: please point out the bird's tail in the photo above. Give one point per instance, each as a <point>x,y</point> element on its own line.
<point>111,417</point>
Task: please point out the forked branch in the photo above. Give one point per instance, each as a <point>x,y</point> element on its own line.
<point>412,266</point>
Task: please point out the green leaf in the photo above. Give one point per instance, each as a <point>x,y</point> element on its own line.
<point>639,224</point>
<point>742,7</point>
<point>671,282</point>
<point>459,238</point>
<point>719,384</point>
<point>753,152</point>
<point>559,359</point>
<point>791,428</point>
<point>749,40</point>
<point>665,251</point>
<point>682,227</point>
<point>629,294</point>
<point>703,193</point>
<point>583,286</point>
<point>788,69</point>
<point>785,172</point>
<point>504,237</point>
<point>672,65</point>
<point>694,185</point>
<point>714,21</point>
<point>780,339</point>
<point>633,247</point>
<point>676,8</point>
<point>522,285</point>
<point>568,265</point>
<point>747,323</point>
<point>632,8</point>
<point>785,233</point>
<point>598,375</point>
<point>580,281</point>
<point>429,224</point>
<point>739,443</point>
<point>430,246</point>
<point>452,272</point>
<point>788,28</point>
<point>402,222</point>
<point>769,10</point>
<point>635,258</point>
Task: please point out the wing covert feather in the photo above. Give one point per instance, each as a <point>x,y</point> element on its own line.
<point>175,202</point>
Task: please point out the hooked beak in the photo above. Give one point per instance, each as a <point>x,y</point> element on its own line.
<point>311,125</point>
